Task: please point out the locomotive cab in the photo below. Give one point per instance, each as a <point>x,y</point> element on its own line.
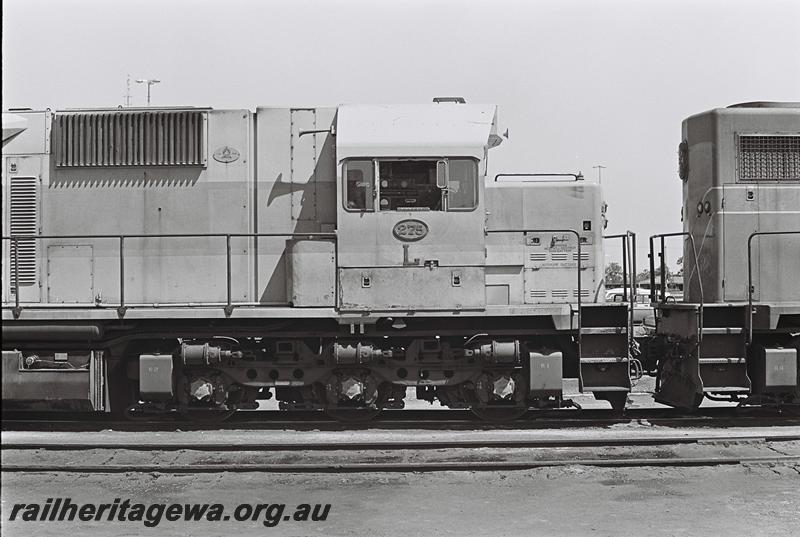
<point>411,206</point>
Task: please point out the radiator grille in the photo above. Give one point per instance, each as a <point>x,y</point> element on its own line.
<point>769,158</point>
<point>113,139</point>
<point>23,221</point>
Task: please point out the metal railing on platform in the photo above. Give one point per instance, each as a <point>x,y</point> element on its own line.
<point>663,274</point>
<point>121,306</point>
<point>578,267</point>
<point>628,265</point>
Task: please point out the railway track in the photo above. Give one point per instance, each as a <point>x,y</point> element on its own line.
<point>373,467</point>
<point>364,454</point>
<point>403,419</point>
<point>396,445</point>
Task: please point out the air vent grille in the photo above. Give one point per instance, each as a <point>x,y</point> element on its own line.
<point>23,204</point>
<point>113,139</point>
<point>584,257</point>
<point>769,157</point>
<point>538,293</point>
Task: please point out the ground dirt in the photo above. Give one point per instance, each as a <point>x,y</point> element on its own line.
<point>573,500</point>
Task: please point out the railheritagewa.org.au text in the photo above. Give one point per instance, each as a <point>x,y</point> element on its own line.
<point>152,514</point>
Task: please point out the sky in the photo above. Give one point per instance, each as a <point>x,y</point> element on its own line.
<point>579,83</point>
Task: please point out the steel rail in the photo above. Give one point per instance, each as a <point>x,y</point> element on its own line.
<point>394,467</point>
<point>438,414</point>
<point>396,445</point>
<point>459,422</point>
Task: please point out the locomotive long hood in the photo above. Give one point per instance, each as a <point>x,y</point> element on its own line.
<point>443,129</point>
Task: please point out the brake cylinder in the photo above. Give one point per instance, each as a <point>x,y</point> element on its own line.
<point>205,354</point>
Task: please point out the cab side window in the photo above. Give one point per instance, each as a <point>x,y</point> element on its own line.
<point>441,184</point>
<point>462,184</point>
<point>359,185</point>
<point>409,185</point>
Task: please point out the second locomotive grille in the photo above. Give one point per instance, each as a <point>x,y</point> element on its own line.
<point>769,158</point>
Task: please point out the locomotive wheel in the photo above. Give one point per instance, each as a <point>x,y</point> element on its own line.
<point>352,415</point>
<point>365,404</point>
<point>198,415</point>
<point>499,414</point>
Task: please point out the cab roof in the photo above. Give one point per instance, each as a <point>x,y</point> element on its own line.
<point>421,130</point>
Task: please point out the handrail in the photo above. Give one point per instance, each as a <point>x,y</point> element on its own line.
<point>663,263</point>
<point>578,236</point>
<point>578,176</point>
<point>628,258</point>
<point>314,235</point>
<point>634,286</point>
<point>121,309</point>
<point>625,248</point>
<point>632,252</point>
<point>750,289</point>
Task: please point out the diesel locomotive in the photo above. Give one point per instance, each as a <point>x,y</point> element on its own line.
<point>198,261</point>
<point>736,334</point>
